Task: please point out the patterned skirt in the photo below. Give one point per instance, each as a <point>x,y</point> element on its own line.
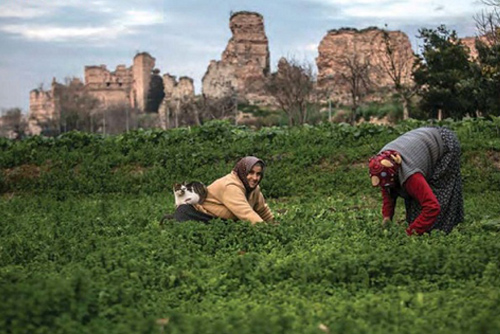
<point>446,183</point>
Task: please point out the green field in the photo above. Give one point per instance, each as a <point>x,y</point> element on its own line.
<point>82,249</point>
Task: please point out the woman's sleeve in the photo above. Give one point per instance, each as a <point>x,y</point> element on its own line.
<point>262,209</point>
<point>388,204</point>
<point>418,188</point>
<point>236,202</point>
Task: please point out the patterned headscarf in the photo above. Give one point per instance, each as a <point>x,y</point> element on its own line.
<point>384,167</point>
<point>243,166</point>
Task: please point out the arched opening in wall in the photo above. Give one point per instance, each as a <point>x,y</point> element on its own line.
<point>155,92</point>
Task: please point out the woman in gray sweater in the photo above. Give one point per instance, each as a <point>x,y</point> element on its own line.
<point>423,167</point>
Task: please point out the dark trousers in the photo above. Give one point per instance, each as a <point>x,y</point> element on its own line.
<point>187,212</point>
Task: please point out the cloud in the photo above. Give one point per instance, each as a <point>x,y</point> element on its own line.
<point>116,22</point>
<point>17,10</point>
<point>29,9</point>
<point>423,9</point>
<point>403,11</point>
<point>60,34</point>
<point>142,18</point>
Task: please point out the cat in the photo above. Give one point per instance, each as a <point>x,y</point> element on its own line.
<point>190,193</point>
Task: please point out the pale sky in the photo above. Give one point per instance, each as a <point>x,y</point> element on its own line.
<point>42,39</point>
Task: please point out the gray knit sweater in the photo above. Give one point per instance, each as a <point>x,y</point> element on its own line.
<point>420,150</point>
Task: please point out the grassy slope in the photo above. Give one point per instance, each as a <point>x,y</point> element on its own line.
<point>94,257</point>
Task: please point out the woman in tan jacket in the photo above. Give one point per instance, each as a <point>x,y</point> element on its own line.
<point>236,196</point>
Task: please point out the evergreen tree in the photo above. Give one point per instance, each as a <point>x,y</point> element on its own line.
<point>488,78</point>
<point>444,75</point>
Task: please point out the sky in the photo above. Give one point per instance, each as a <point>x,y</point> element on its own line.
<point>45,39</point>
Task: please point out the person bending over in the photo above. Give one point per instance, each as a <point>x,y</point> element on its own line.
<point>423,167</point>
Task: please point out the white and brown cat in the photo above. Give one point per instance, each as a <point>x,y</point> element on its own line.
<point>189,193</point>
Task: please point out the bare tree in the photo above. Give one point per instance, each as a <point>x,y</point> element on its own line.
<point>488,22</point>
<point>397,63</point>
<point>13,124</point>
<point>216,108</point>
<point>186,112</point>
<point>117,118</point>
<point>191,112</point>
<point>292,87</point>
<point>77,106</point>
<point>356,77</point>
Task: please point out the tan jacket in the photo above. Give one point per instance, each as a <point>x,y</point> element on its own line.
<point>226,199</point>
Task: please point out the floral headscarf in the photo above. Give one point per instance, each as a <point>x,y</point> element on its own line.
<point>243,166</point>
<point>384,167</point>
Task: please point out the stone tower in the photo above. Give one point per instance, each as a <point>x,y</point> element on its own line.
<point>142,69</point>
<point>245,61</point>
<point>44,104</point>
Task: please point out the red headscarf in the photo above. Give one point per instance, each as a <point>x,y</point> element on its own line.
<point>384,167</point>
<point>243,166</point>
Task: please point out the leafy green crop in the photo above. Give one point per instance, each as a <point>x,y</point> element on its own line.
<point>82,249</point>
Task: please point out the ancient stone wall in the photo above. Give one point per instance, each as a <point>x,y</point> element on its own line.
<point>126,86</point>
<point>184,89</point>
<point>343,53</point>
<point>142,69</point>
<point>175,90</point>
<point>169,83</point>
<point>99,77</point>
<point>220,80</point>
<point>43,103</point>
<point>110,88</point>
<point>177,94</point>
<point>245,61</point>
<point>44,108</point>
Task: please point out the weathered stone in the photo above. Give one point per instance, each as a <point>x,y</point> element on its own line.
<point>169,83</point>
<point>245,61</point>
<point>44,105</point>
<point>341,50</point>
<point>142,70</point>
<point>220,80</point>
<point>110,88</point>
<point>178,90</point>
<point>126,86</point>
<point>177,93</point>
<point>184,88</point>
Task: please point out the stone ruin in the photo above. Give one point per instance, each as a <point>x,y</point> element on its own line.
<point>244,66</point>
<point>241,73</point>
<point>346,50</point>
<point>178,94</point>
<point>245,61</point>
<point>138,87</point>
